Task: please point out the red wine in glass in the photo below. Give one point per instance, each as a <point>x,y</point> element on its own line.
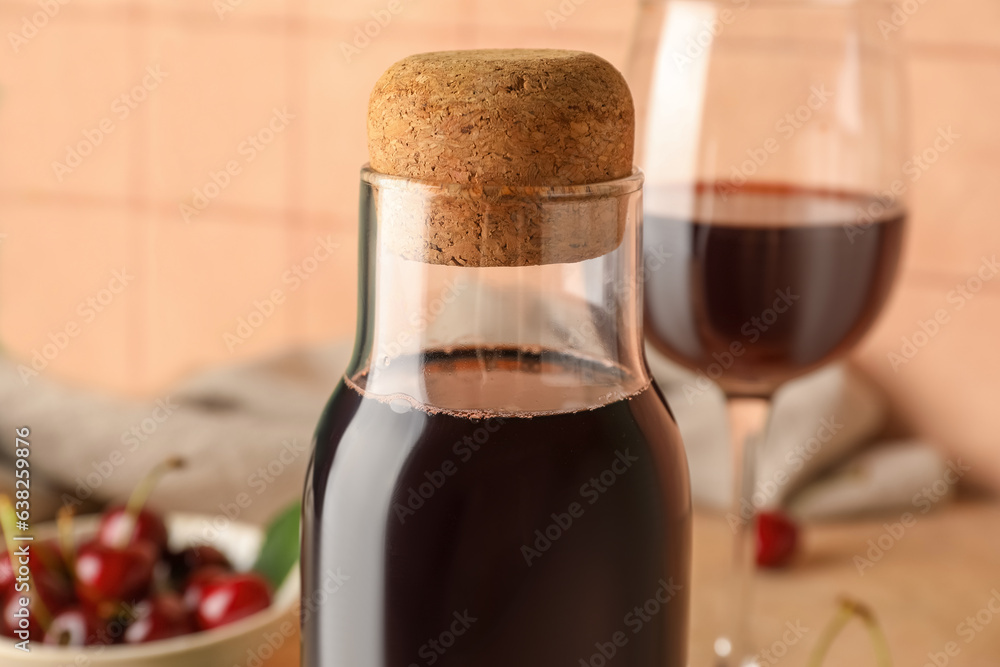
<point>765,282</point>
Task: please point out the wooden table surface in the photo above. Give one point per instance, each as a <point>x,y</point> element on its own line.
<point>927,589</point>
<point>938,572</point>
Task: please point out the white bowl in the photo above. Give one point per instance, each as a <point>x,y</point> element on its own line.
<point>258,636</point>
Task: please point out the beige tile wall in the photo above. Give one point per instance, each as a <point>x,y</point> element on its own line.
<point>946,391</point>
<point>225,76</point>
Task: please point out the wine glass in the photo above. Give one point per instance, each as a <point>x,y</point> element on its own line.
<point>773,146</point>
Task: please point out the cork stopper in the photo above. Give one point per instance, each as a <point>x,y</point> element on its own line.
<point>503,133</point>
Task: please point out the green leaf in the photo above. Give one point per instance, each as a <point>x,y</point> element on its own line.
<point>280,551</point>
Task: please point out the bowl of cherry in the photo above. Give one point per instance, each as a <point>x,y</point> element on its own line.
<point>132,587</point>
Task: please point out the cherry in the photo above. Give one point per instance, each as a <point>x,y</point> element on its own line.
<point>107,574</point>
<point>194,588</point>
<point>42,557</point>
<point>192,559</point>
<point>6,576</point>
<point>161,617</point>
<point>48,595</point>
<point>119,565</point>
<point>36,588</point>
<point>777,539</point>
<point>230,597</point>
<point>50,556</point>
<point>131,524</point>
<point>74,626</point>
<point>118,528</point>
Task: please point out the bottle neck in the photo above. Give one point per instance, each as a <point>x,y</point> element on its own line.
<point>547,337</point>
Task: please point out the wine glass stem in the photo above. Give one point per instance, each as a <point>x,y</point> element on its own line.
<point>748,416</point>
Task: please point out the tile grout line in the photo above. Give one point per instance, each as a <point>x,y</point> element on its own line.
<point>250,213</point>
<point>302,23</point>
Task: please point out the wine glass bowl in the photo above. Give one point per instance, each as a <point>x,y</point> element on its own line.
<point>767,281</point>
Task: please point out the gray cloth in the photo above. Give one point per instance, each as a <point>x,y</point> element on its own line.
<point>821,459</point>
<point>246,432</point>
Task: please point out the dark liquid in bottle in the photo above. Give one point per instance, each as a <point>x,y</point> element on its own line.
<point>767,282</point>
<point>497,538</point>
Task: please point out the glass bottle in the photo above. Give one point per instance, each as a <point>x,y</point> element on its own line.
<point>496,479</point>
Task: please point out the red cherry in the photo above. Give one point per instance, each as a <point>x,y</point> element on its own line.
<point>194,587</point>
<point>228,598</point>
<point>46,588</point>
<point>131,524</point>
<point>50,557</point>
<point>777,539</point>
<point>192,559</point>
<point>6,576</point>
<point>107,574</point>
<point>75,626</point>
<point>160,617</point>
<point>43,557</point>
<point>116,527</point>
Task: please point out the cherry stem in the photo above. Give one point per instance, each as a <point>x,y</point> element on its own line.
<point>7,523</point>
<point>67,541</point>
<point>883,655</point>
<point>142,492</point>
<point>8,519</point>
<point>848,610</point>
